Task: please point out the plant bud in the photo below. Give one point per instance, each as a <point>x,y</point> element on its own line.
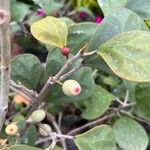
<point>71,88</point>
<point>11,129</point>
<point>37,116</point>
<point>65,51</point>
<point>45,129</point>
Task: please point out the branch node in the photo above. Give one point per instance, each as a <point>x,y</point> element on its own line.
<point>4,17</point>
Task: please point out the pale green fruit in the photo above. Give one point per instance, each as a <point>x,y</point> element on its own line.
<point>11,129</point>
<point>71,88</point>
<point>37,116</point>
<point>45,129</point>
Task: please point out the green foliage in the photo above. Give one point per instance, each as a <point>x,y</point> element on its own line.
<point>123,43</point>
<point>118,21</point>
<point>21,147</point>
<point>50,30</point>
<point>127,55</point>
<point>130,134</point>
<point>27,69</point>
<point>108,5</point>
<point>79,35</point>
<point>49,6</point>
<point>100,137</point>
<point>142,93</point>
<point>30,135</point>
<point>53,64</point>
<point>19,10</point>
<point>141,7</point>
<point>97,103</point>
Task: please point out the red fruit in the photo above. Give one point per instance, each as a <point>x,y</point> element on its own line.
<point>65,51</point>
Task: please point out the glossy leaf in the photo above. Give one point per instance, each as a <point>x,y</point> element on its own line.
<point>118,21</point>
<point>142,93</point>
<point>98,138</point>
<point>50,30</point>
<point>130,134</point>
<point>21,147</point>
<point>79,35</point>
<point>128,55</point>
<point>97,104</point>
<point>109,5</point>
<point>141,7</point>
<point>30,136</point>
<point>27,69</point>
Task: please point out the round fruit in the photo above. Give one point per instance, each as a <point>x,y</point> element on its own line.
<point>37,116</point>
<point>65,51</point>
<point>19,99</point>
<point>11,129</point>
<point>45,129</point>
<point>71,88</point>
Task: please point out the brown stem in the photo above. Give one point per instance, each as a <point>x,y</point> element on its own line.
<point>58,130</point>
<point>61,75</point>
<point>115,111</point>
<point>91,124</point>
<point>22,90</point>
<point>5,58</point>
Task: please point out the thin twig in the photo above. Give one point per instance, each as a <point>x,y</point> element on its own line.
<point>56,126</point>
<point>30,94</point>
<point>61,75</point>
<point>55,135</point>
<point>59,119</point>
<point>100,120</point>
<point>91,124</point>
<point>68,74</point>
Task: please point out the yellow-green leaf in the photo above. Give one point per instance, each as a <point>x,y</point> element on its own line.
<point>50,30</point>
<point>21,147</point>
<point>128,55</point>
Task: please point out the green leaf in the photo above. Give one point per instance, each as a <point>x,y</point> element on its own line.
<point>49,6</point>
<point>54,63</point>
<point>27,69</point>
<point>68,21</point>
<point>98,138</point>
<point>30,135</point>
<point>109,5</point>
<point>21,147</point>
<point>142,93</point>
<point>119,20</point>
<point>97,104</point>
<point>50,30</point>
<point>128,55</point>
<point>15,27</point>
<point>141,7</point>
<point>79,35</point>
<point>19,10</point>
<point>130,134</point>
<point>57,148</point>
